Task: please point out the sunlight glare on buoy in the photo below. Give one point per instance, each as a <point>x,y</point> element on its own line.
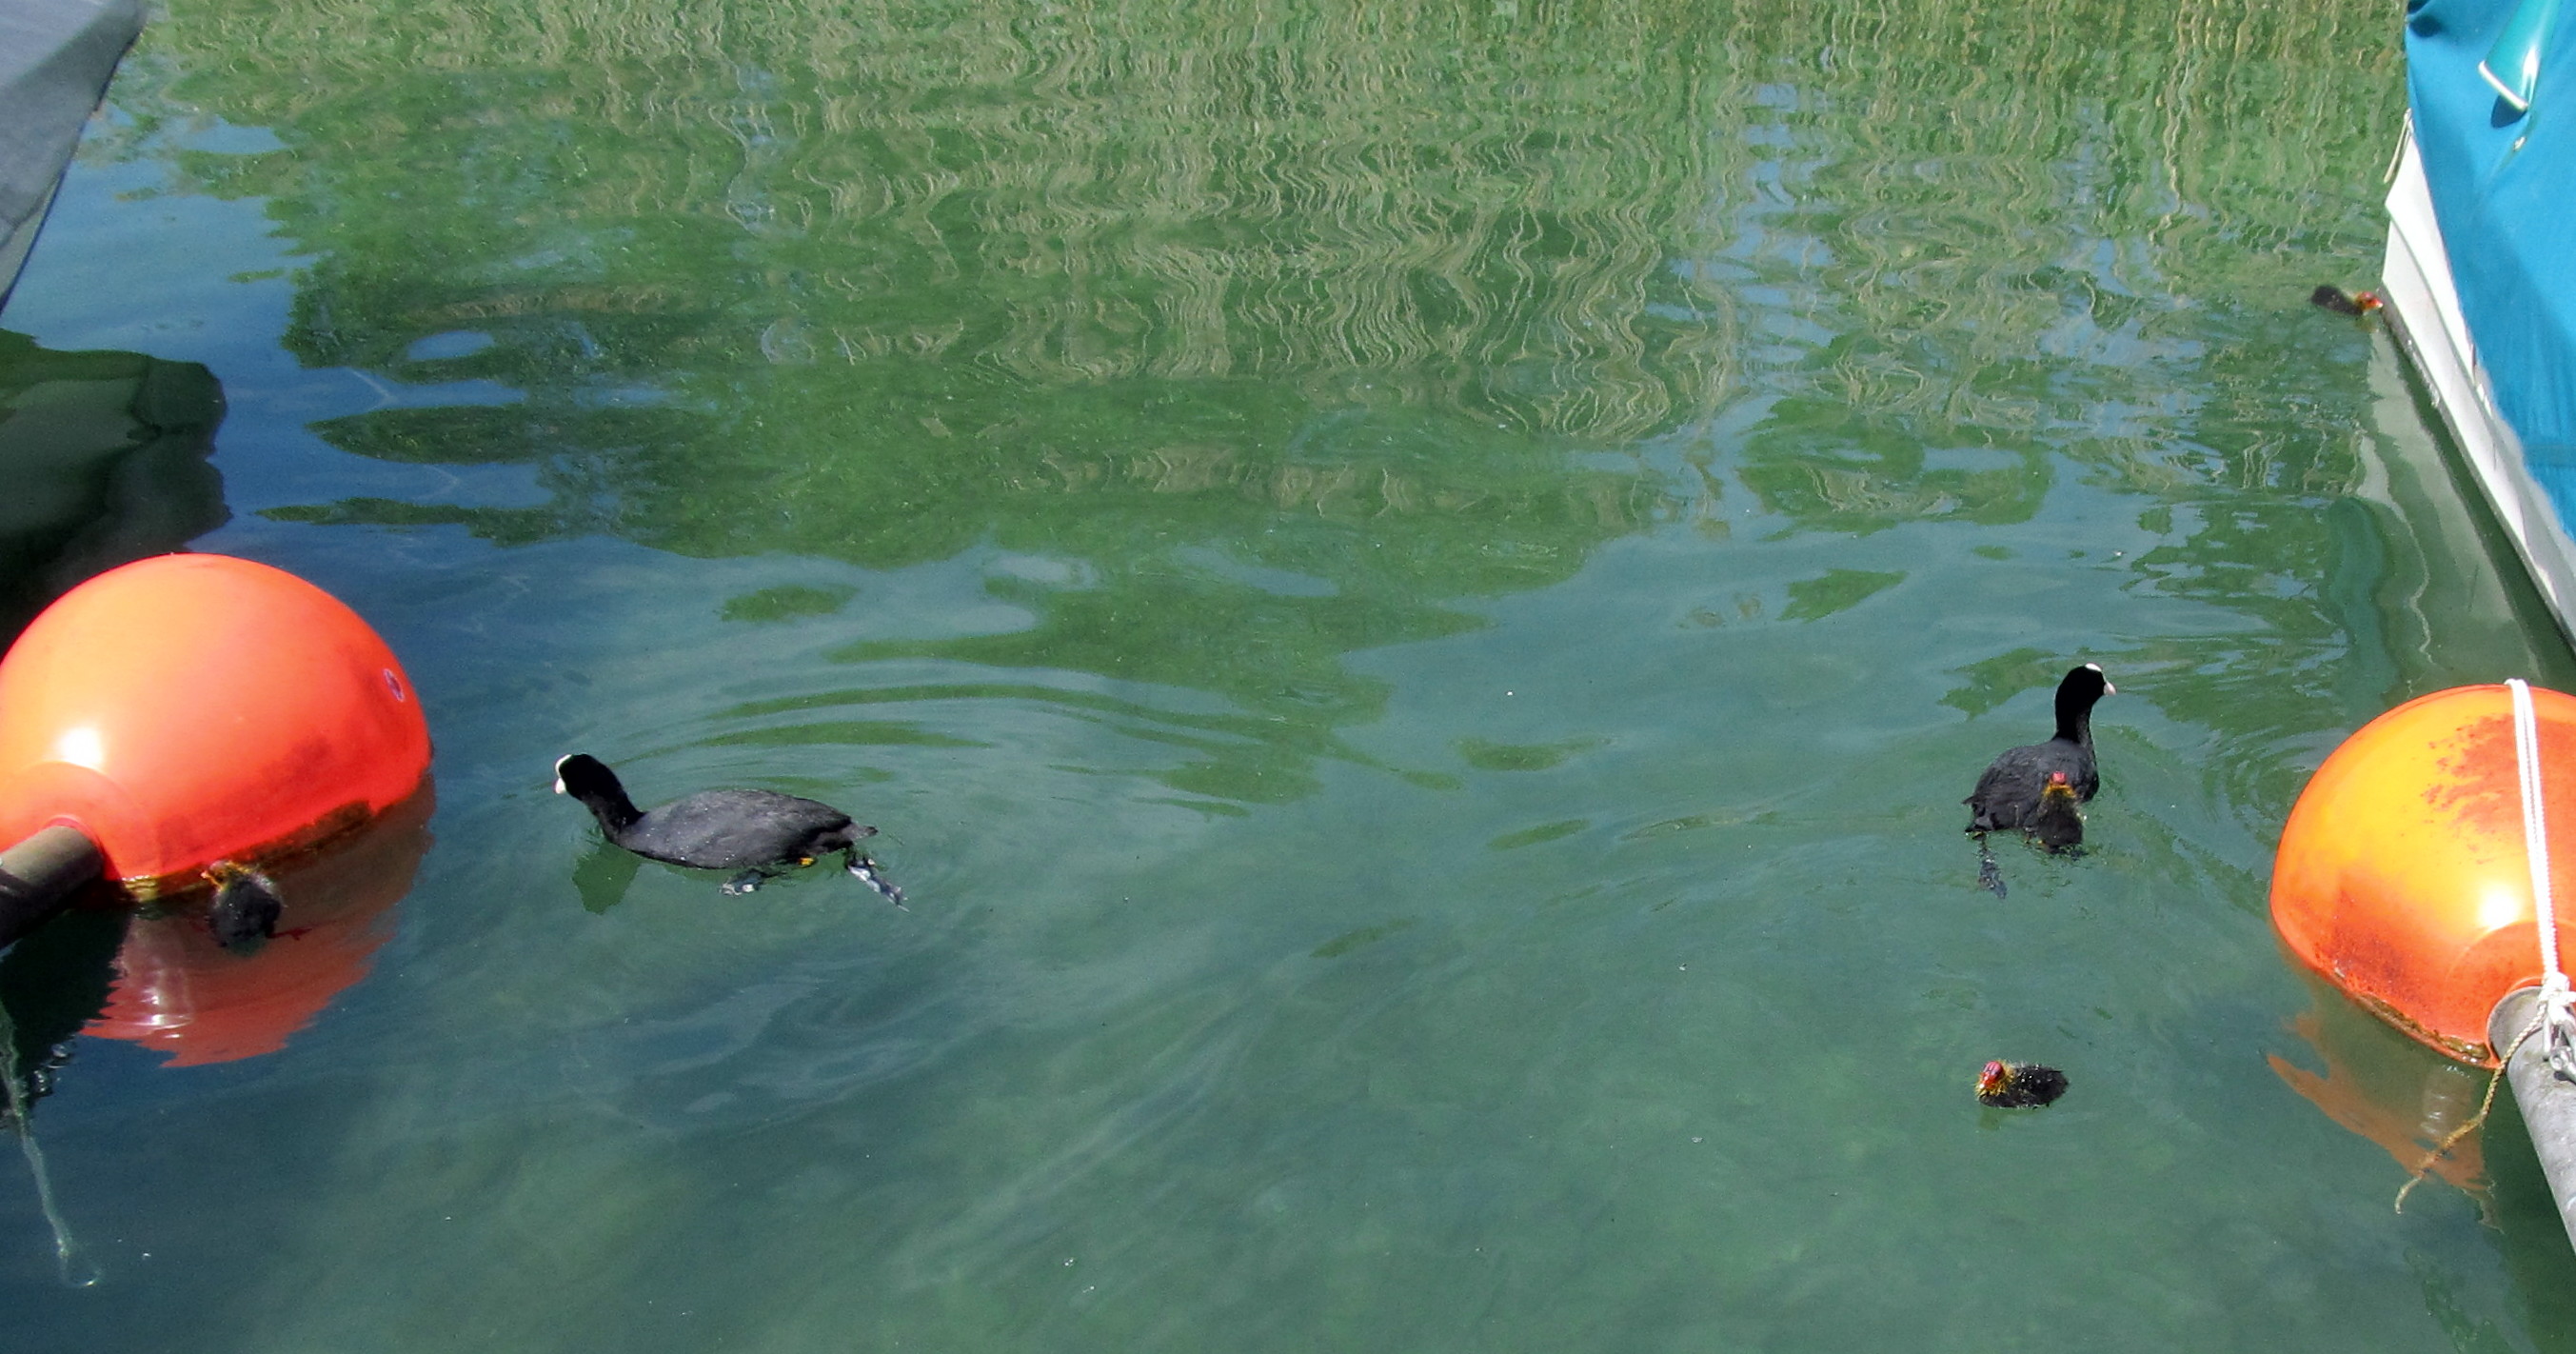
<point>2501,905</point>
<point>81,746</point>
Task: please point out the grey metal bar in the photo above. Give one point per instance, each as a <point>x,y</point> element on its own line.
<point>2548,1100</point>
<point>39,875</point>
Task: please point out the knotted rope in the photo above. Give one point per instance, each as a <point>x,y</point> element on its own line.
<point>2555,1012</point>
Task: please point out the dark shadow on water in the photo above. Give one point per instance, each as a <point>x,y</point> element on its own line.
<point>104,459</point>
<point>56,980</point>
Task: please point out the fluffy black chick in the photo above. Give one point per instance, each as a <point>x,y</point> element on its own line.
<point>246,905</point>
<point>2013,1086</point>
<point>2330,297</point>
<point>2057,824</point>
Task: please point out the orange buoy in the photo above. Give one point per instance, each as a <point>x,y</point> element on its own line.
<point>189,708</point>
<point>2402,874</point>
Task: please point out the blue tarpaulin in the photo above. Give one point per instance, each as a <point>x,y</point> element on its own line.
<point>2504,191</point>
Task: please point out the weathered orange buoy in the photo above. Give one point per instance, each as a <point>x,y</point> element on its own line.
<point>2402,874</point>
<point>189,708</point>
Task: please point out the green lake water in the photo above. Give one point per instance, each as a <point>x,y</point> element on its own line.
<point>1414,589</point>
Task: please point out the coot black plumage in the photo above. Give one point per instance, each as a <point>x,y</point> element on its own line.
<point>246,905</point>
<point>759,833</point>
<point>2013,1086</point>
<point>2010,794</point>
<point>2328,296</point>
<point>2056,824</point>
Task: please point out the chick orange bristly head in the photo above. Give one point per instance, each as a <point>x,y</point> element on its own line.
<point>2368,301</point>
<point>1994,1078</point>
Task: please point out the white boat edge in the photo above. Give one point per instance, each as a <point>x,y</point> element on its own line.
<point>2423,310</point>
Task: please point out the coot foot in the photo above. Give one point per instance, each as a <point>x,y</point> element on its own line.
<point>1989,875</point>
<point>865,871</point>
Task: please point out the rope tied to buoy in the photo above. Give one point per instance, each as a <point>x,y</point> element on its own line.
<point>2555,1013</point>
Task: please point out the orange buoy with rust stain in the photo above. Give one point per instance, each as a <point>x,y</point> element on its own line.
<point>2402,875</point>
<point>189,708</point>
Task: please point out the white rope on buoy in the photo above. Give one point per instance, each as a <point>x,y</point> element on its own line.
<point>2557,1009</point>
<point>2555,1012</point>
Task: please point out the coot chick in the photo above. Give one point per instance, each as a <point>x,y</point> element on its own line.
<point>2013,1086</point>
<point>753,831</point>
<point>2009,794</point>
<point>2057,824</point>
<point>246,905</point>
<point>2330,297</point>
<point>757,832</point>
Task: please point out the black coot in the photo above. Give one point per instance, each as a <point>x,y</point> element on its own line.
<point>757,832</point>
<point>2015,790</point>
<point>246,905</point>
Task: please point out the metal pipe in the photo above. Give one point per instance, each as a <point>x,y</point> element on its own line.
<point>2548,1100</point>
<point>39,875</point>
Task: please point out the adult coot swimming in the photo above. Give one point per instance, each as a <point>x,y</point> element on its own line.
<point>757,832</point>
<point>2012,791</point>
